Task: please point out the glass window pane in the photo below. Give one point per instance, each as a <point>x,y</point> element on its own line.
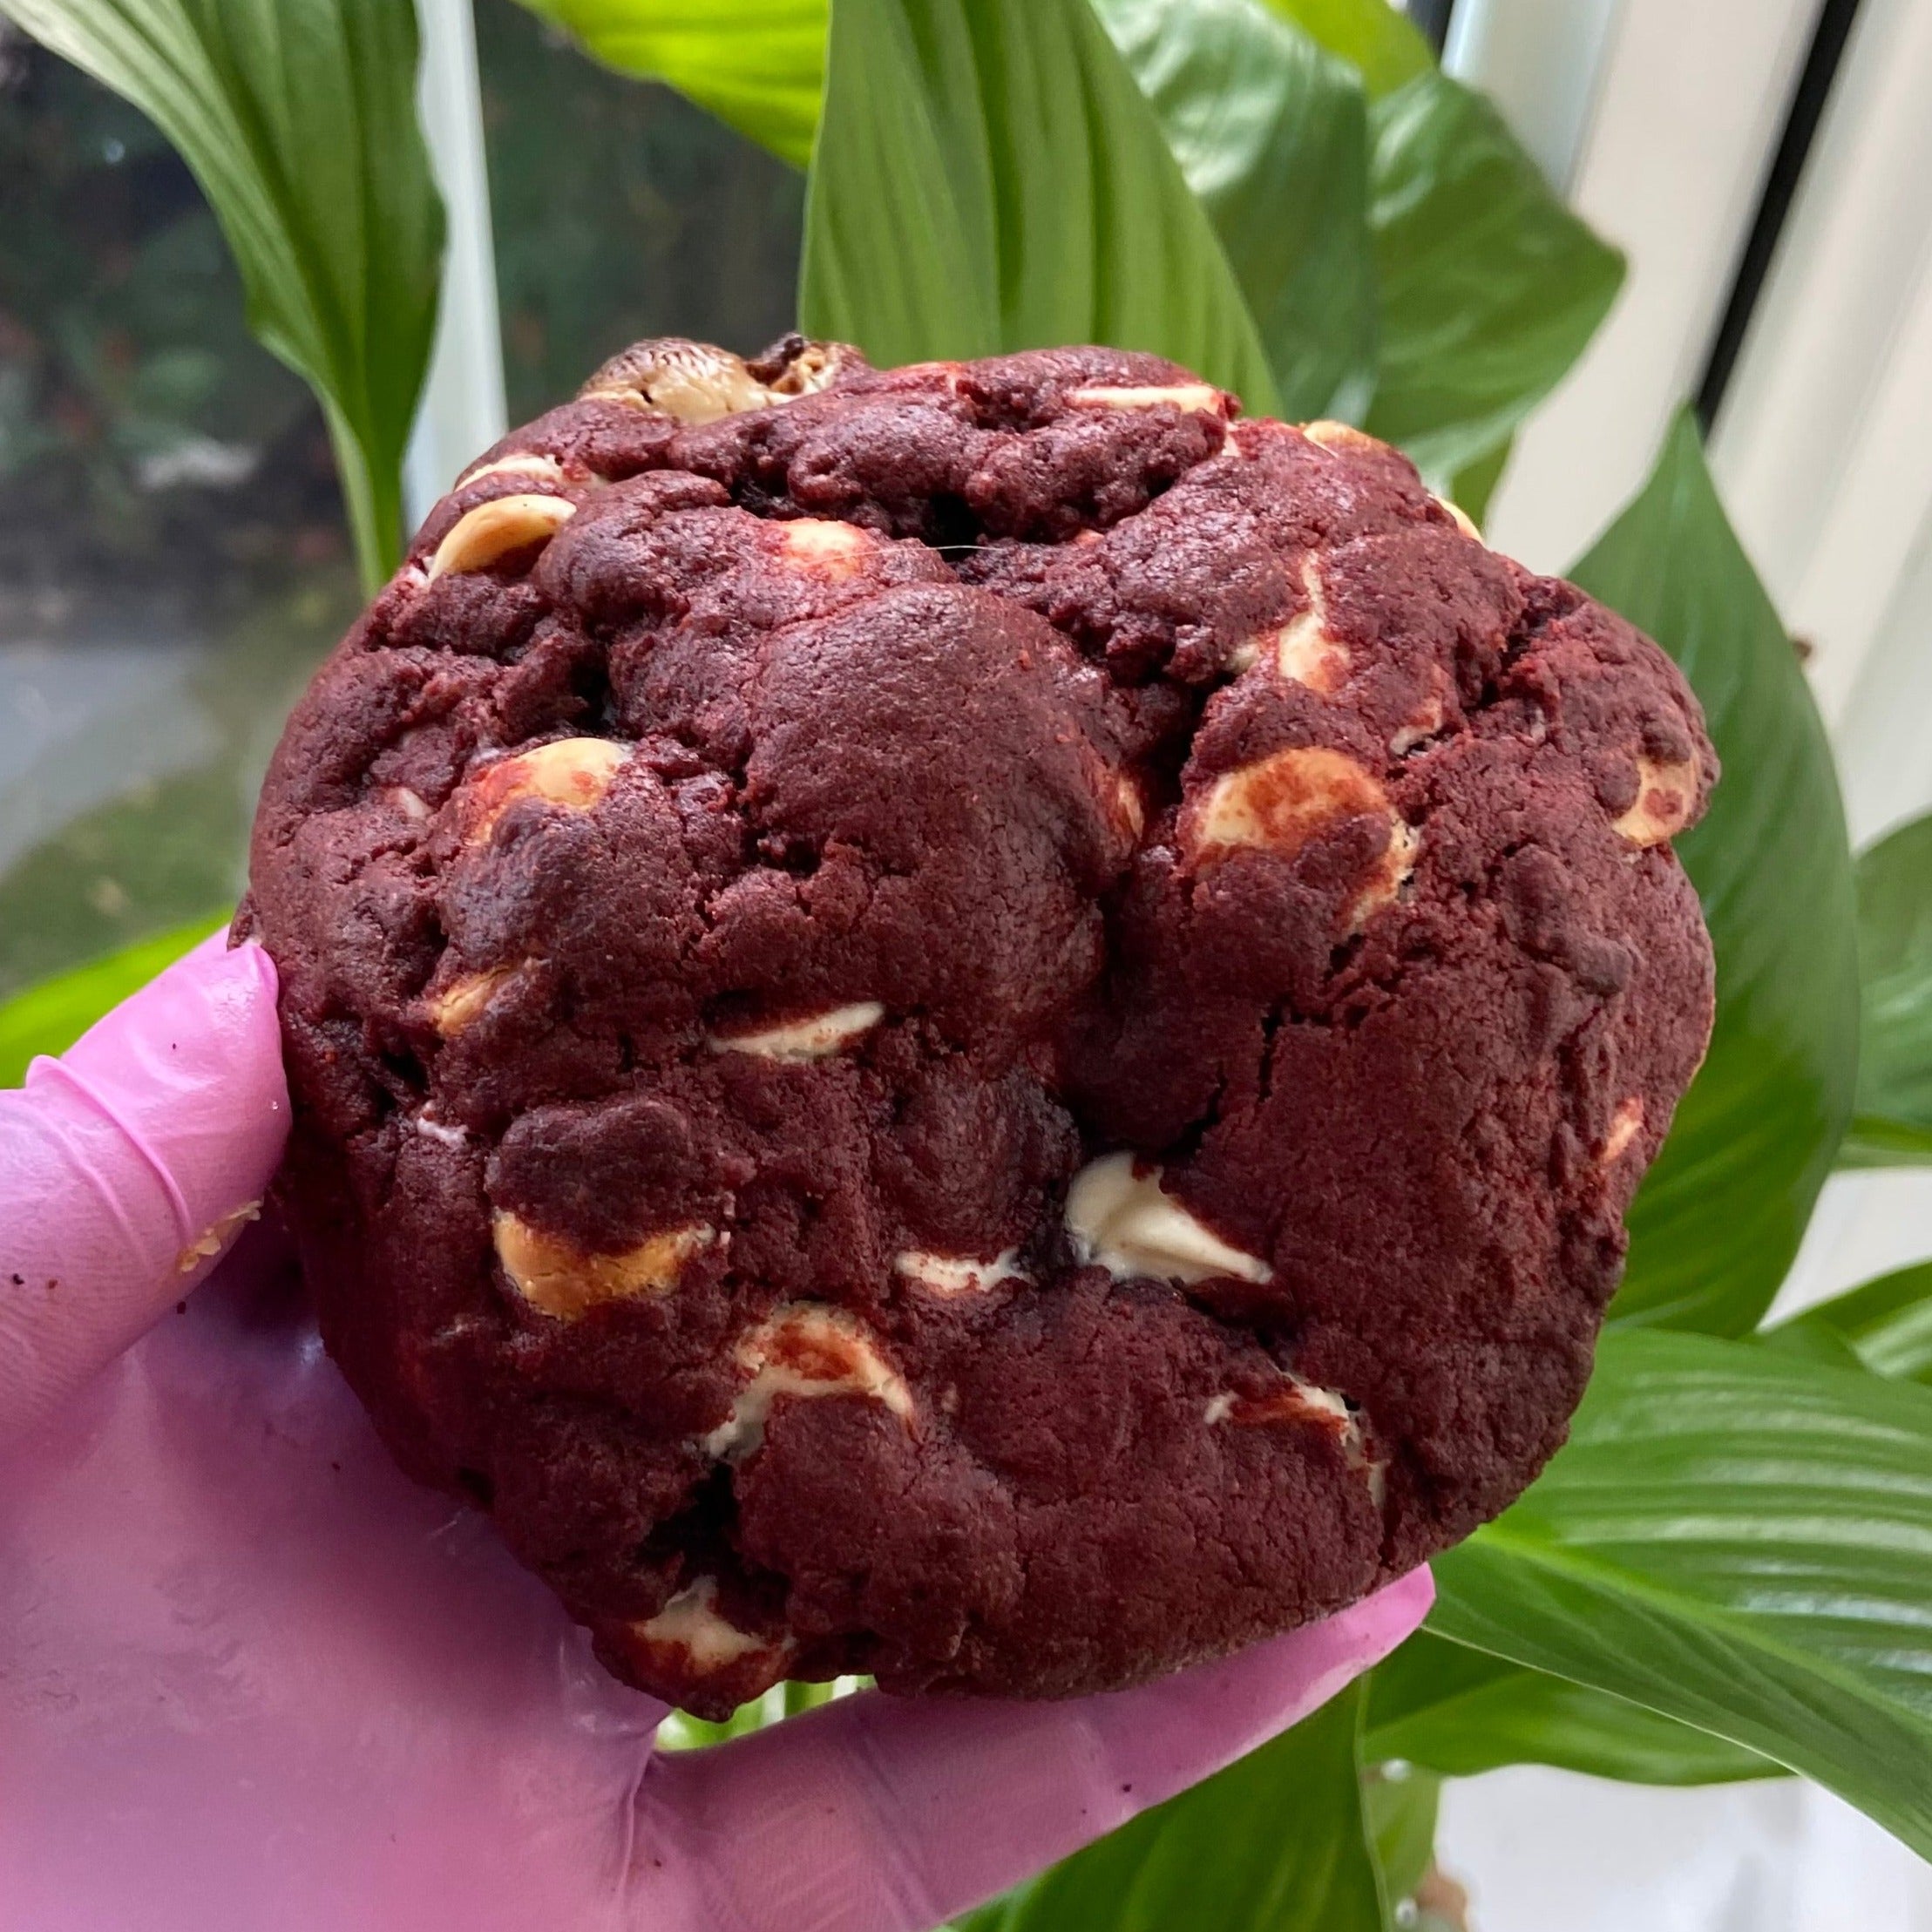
<point>172,553</point>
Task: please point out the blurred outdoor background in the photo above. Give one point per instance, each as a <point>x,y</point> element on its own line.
<point>174,559</point>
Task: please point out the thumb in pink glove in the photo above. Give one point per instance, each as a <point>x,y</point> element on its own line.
<point>252,1677</point>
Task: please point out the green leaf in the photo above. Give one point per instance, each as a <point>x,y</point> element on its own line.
<point>1370,35</point>
<point>1738,1539</point>
<point>1271,134</point>
<point>1893,1124</point>
<point>1473,486</point>
<point>1718,1217</point>
<point>1275,1843</point>
<point>1887,1325</point>
<point>759,64</point>
<point>51,1017</point>
<point>1458,1712</point>
<point>1401,1804</point>
<point>1490,287</point>
<point>988,177</point>
<point>1813,1342</point>
<point>298,118</point>
<point>1871,1142</point>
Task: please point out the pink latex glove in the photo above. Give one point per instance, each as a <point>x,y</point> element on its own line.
<point>251,1677</point>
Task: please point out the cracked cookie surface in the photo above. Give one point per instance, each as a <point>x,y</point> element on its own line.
<point>973,1022</point>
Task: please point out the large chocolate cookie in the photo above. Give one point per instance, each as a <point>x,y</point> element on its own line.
<point>971,1022</point>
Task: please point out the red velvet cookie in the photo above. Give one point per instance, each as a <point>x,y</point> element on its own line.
<point>971,1022</point>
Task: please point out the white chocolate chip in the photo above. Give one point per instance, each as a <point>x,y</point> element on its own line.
<point>1392,871</point>
<point>1195,399</point>
<point>493,530</point>
<point>1282,800</point>
<point>524,464</point>
<point>428,1125</point>
<point>1463,520</point>
<point>1295,1400</point>
<point>1420,729</point>
<point>412,804</point>
<point>813,368</point>
<point>823,1034</point>
<point>1625,1124</point>
<point>957,1274</point>
<point>823,546</point>
<point>573,774</point>
<point>1280,803</point>
<point>1338,436</point>
<point>1126,792</point>
<point>697,382</point>
<point>691,381</point>
<point>690,1622</point>
<point>216,1237</point>
<point>1124,1222</point>
<point>1302,651</point>
<point>564,1280</point>
<point>460,1002</point>
<point>1664,796</point>
<point>804,1349</point>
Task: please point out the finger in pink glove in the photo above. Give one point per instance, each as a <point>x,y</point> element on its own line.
<point>126,1166</point>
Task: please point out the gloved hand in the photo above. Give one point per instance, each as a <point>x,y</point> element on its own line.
<point>251,1677</point>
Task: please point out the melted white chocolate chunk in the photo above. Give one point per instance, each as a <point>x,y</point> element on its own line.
<point>1297,1402</point>
<point>1194,398</point>
<point>957,1274</point>
<point>804,1349</point>
<point>825,547</point>
<point>462,1001</point>
<point>565,1280</point>
<point>1625,1124</point>
<point>523,463</point>
<point>1302,651</point>
<point>573,774</point>
<point>1422,727</point>
<point>1280,803</point>
<point>1338,436</point>
<point>823,1034</point>
<point>691,1622</point>
<point>440,1131</point>
<point>1664,796</point>
<point>479,537</point>
<point>691,381</point>
<point>412,804</point>
<point>1124,1222</point>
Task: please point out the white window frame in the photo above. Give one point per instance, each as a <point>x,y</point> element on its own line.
<point>463,411</point>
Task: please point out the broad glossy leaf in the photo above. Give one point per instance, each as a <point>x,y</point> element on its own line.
<point>1459,1711</point>
<point>1401,1804</point>
<point>51,1017</point>
<point>1275,1843</point>
<point>988,177</point>
<point>1892,1125</point>
<point>1887,1323</point>
<point>1719,1218</point>
<point>1383,47</point>
<point>298,118</point>
<point>1490,287</point>
<point>759,64</point>
<point>1473,486</point>
<point>1739,1538</point>
<point>1871,1141</point>
<point>1272,135</point>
